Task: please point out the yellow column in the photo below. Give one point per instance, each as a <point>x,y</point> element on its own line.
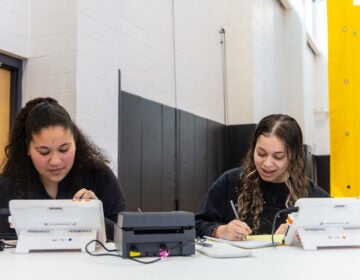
<point>344,97</point>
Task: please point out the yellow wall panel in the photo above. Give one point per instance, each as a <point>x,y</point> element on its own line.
<point>344,97</point>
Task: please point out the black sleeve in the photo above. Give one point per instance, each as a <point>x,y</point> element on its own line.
<point>5,231</point>
<point>215,208</point>
<point>4,201</point>
<point>109,191</point>
<point>316,191</point>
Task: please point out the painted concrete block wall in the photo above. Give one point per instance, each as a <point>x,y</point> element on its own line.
<point>145,49</point>
<point>14,27</point>
<point>294,68</point>
<point>309,91</point>
<point>269,45</point>
<point>51,65</point>
<point>97,75</point>
<point>274,71</point>
<point>198,58</point>
<point>135,37</point>
<point>321,144</point>
<point>239,61</point>
<point>168,51</point>
<point>271,75</point>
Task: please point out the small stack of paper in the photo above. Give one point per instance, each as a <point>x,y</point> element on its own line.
<point>251,241</point>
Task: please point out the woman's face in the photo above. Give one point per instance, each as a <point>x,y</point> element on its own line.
<point>52,152</point>
<point>271,160</point>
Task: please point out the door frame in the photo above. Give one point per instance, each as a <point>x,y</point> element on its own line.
<point>14,65</point>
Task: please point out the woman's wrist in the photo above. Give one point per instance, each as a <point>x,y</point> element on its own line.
<point>217,231</point>
<point>213,232</point>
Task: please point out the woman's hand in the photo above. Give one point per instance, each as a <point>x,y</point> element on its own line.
<point>235,230</point>
<point>85,194</point>
<point>281,229</point>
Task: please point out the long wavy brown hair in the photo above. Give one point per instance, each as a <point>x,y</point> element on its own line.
<point>37,114</point>
<point>250,200</point>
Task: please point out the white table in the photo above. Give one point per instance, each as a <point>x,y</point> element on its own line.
<point>282,262</point>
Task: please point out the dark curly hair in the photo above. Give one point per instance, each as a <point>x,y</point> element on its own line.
<point>287,130</point>
<point>42,113</point>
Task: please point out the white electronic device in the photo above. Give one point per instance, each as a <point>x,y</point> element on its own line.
<point>324,222</point>
<point>55,224</point>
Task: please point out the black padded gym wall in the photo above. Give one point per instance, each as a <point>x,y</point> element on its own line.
<point>146,154</point>
<point>167,158</point>
<point>200,159</point>
<point>322,171</point>
<point>237,143</point>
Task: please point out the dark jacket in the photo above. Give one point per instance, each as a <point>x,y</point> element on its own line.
<point>103,183</point>
<point>216,209</point>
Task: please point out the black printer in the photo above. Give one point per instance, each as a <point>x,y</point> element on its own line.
<point>144,234</point>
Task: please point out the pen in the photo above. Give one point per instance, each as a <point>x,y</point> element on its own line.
<point>235,212</point>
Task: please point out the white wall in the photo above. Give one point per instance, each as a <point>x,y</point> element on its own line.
<point>14,27</point>
<point>198,58</point>
<point>168,51</point>
<point>146,48</point>
<point>271,49</point>
<point>321,144</point>
<point>271,79</point>
<point>50,69</point>
<point>239,61</point>
<point>97,74</point>
<point>43,35</point>
<point>271,69</point>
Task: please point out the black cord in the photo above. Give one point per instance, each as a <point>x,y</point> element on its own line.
<point>165,251</point>
<point>4,245</point>
<point>112,250</point>
<point>103,246</point>
<point>277,215</point>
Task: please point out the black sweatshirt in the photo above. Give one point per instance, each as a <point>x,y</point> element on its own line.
<point>216,209</point>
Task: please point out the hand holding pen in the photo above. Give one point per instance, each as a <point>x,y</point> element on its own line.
<point>235,230</point>
<point>241,229</point>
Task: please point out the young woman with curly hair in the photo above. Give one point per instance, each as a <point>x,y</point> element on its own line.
<point>272,177</point>
<point>48,157</point>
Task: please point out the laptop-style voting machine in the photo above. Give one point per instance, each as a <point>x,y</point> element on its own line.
<point>50,225</point>
<point>324,222</point>
<point>148,233</point>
